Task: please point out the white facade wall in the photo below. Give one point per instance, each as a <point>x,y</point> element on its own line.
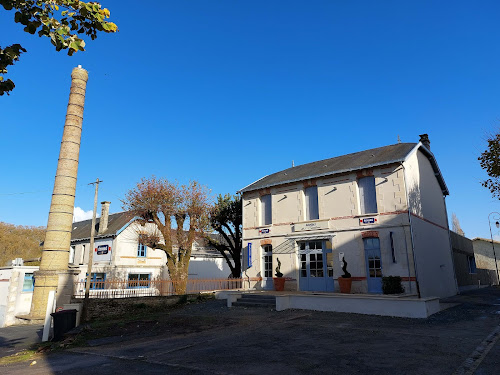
<point>338,223</point>
<point>208,268</point>
<point>425,196</point>
<point>433,254</point>
<point>435,270</point>
<point>13,300</point>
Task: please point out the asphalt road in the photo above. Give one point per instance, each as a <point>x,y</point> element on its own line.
<point>460,340</point>
<point>14,339</point>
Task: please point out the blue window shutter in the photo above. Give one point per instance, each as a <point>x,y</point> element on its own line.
<point>367,195</point>
<point>312,209</point>
<point>266,209</point>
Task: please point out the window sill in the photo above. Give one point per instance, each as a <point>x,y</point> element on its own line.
<point>264,226</point>
<point>366,215</point>
<point>312,221</point>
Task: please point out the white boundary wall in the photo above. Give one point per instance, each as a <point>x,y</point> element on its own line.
<point>404,307</point>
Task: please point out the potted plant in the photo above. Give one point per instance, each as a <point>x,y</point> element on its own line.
<point>345,281</point>
<point>279,280</point>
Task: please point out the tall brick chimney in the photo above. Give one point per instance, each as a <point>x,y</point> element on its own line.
<point>424,139</point>
<point>103,222</point>
<point>54,273</point>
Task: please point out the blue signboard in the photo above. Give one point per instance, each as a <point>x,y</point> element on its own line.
<point>102,249</point>
<point>249,255</point>
<point>368,220</point>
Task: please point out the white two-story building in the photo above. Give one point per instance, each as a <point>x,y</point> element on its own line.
<point>383,210</point>
<point>118,253</point>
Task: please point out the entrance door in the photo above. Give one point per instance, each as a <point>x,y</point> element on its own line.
<point>373,265</point>
<point>267,267</point>
<point>313,274</point>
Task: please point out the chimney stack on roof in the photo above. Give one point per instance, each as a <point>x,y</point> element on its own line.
<point>103,223</point>
<point>424,139</point>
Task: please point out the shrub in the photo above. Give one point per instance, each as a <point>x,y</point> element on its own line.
<point>392,285</point>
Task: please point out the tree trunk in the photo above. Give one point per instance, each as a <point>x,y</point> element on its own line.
<point>179,276</point>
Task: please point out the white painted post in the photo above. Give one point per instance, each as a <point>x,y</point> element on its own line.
<point>50,308</point>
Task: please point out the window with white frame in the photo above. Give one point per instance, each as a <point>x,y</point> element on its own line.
<point>28,282</point>
<point>472,264</point>
<point>367,195</point>
<point>82,255</point>
<point>265,210</point>
<point>71,255</point>
<point>312,210</point>
<point>141,250</point>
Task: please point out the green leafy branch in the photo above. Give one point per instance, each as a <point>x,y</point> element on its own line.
<point>490,162</point>
<point>63,21</point>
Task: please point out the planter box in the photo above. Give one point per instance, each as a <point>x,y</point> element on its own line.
<point>279,283</point>
<point>345,284</point>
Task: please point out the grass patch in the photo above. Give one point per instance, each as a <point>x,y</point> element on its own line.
<point>22,356</point>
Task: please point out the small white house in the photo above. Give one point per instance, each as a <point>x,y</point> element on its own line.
<point>16,290</point>
<point>383,210</point>
<point>119,255</point>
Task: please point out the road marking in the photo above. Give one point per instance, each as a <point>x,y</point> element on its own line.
<point>470,365</point>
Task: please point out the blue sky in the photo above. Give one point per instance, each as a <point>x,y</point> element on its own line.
<point>187,89</point>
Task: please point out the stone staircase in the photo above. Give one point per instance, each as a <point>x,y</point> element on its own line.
<point>256,300</point>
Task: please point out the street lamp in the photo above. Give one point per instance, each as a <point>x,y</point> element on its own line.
<point>497,224</point>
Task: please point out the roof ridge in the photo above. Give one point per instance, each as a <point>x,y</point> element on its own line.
<point>334,165</point>
<point>352,153</point>
<point>98,218</point>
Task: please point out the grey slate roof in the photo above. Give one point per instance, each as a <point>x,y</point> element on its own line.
<point>81,232</point>
<point>81,229</point>
<point>345,163</point>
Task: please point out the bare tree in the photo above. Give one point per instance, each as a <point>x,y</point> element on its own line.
<point>180,214</point>
<point>456,225</point>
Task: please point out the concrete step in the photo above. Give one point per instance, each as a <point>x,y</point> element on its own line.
<point>257,297</point>
<point>257,300</point>
<point>253,304</point>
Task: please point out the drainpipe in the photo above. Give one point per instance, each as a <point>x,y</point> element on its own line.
<point>411,233</point>
<point>407,260</point>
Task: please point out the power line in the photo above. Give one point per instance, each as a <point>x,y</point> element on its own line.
<point>36,191</point>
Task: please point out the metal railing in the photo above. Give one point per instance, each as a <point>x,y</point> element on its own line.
<point>160,287</point>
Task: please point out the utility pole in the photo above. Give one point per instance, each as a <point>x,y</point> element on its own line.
<point>91,248</point>
<point>497,224</point>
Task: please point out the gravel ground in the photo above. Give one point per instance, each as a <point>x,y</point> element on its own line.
<point>209,338</point>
